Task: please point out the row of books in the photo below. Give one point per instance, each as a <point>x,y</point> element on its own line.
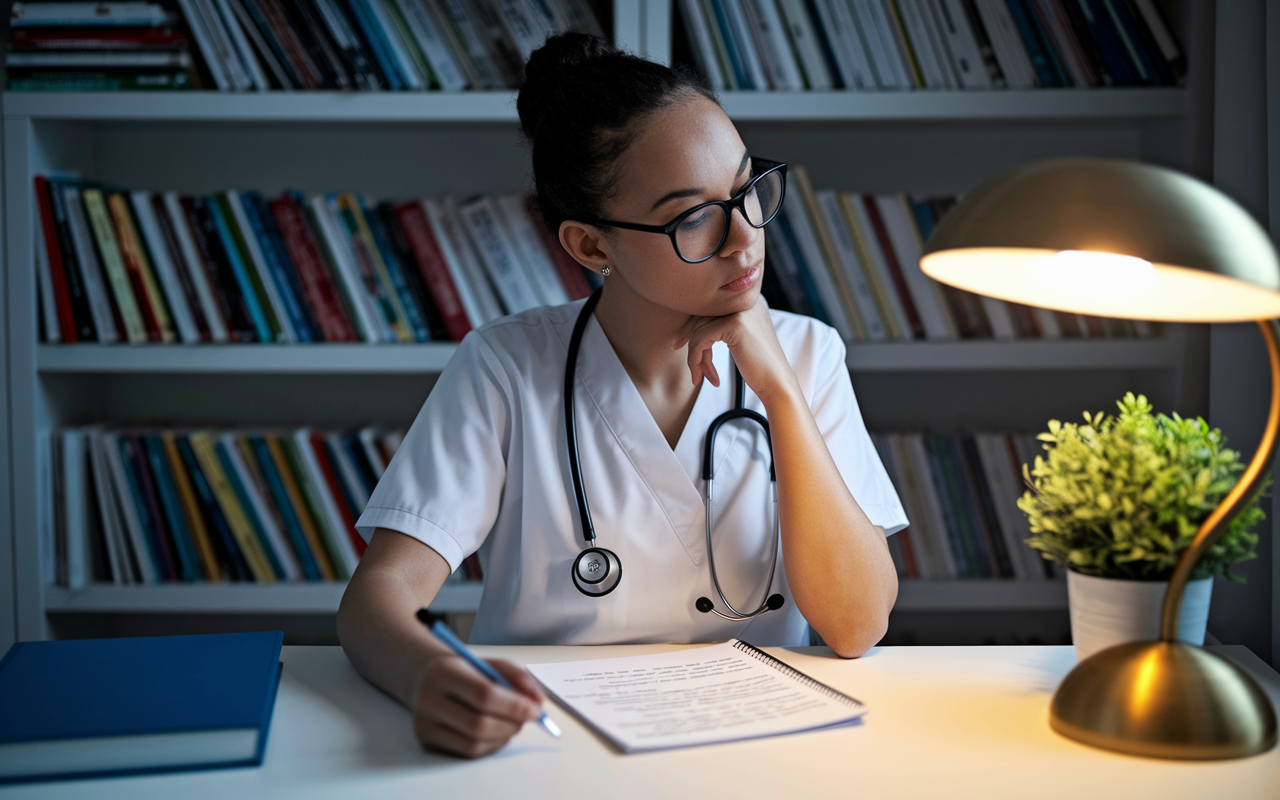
<point>451,45</point>
<point>960,494</point>
<point>137,267</point>
<point>162,506</point>
<point>853,261</point>
<point>877,45</point>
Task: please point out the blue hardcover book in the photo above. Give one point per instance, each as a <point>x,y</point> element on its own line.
<point>281,270</point>
<point>242,275</point>
<point>150,527</point>
<point>95,707</point>
<point>233,475</point>
<point>291,525</point>
<point>381,49</point>
<point>188,563</point>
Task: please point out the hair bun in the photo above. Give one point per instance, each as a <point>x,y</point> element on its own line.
<point>547,68</point>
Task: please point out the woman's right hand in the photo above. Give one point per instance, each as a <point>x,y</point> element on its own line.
<point>457,710</point>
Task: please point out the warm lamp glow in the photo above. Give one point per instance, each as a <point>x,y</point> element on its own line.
<point>1174,294</point>
<point>1103,276</point>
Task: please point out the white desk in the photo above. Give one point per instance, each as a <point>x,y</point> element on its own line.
<point>941,722</point>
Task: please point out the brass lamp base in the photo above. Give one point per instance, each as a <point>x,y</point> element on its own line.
<point>1164,700</point>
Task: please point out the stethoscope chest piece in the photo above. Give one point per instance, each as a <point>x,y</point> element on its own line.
<point>596,571</point>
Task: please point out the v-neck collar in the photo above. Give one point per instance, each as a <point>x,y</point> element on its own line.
<point>674,477</point>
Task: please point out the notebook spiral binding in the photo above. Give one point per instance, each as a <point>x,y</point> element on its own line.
<point>797,675</point>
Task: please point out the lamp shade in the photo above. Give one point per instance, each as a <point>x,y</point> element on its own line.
<point>1110,238</point>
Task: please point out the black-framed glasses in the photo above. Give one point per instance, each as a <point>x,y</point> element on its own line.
<point>699,233</point>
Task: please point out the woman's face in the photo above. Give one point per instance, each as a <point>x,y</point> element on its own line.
<point>684,155</point>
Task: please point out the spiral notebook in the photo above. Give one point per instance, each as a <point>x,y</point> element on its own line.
<point>707,695</point>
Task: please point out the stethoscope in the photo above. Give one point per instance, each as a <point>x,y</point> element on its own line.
<point>597,571</point>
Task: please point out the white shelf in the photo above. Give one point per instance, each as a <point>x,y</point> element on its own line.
<point>323,598</point>
<point>981,595</point>
<point>955,105</point>
<point>245,358</point>
<point>430,358</point>
<point>500,106</point>
<point>230,598</point>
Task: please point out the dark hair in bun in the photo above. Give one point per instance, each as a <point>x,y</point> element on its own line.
<point>579,106</point>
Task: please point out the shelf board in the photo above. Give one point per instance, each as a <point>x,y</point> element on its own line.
<point>981,595</point>
<point>500,106</point>
<point>230,598</point>
<point>1027,355</point>
<point>323,598</point>
<point>944,106</point>
<point>246,358</point>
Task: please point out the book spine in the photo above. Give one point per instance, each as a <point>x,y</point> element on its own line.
<point>316,286</point>
<point>366,316</point>
<point>498,255</point>
<point>387,228</point>
<point>191,273</point>
<point>841,293</point>
<point>143,491</point>
<point>146,556</point>
<point>284,277</point>
<point>66,317</point>
<point>249,544</point>
<point>182,316</point>
<point>209,567</point>
<point>245,237</point>
<point>338,490</point>
<point>373,272</point>
<point>218,213</point>
<point>246,477</point>
<point>390,271</point>
<point>294,498</point>
<point>232,558</point>
<point>571,273</point>
<point>154,310</point>
<point>435,49</point>
<point>431,263</point>
<point>443,227</point>
<point>232,307</point>
<point>171,507</point>
<point>307,560</point>
<point>890,259</point>
<point>326,508</point>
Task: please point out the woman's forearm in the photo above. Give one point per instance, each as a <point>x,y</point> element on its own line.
<point>838,564</point>
<point>377,625</point>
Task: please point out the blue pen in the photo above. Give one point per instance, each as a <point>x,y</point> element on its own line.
<point>455,644</point>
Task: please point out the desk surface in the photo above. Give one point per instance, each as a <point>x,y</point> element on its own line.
<point>941,722</point>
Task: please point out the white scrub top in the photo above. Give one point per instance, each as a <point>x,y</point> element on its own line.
<point>485,468</point>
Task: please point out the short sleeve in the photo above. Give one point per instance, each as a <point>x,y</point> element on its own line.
<point>444,485</point>
<point>836,411</point>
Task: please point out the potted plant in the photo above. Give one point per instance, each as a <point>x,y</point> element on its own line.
<point>1116,500</point>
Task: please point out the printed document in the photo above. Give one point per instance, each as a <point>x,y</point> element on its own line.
<point>719,693</point>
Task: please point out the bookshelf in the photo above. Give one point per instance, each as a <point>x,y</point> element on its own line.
<point>400,145</point>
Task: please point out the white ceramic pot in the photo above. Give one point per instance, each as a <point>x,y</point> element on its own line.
<point>1107,611</point>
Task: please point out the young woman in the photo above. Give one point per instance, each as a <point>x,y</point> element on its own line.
<point>648,184</point>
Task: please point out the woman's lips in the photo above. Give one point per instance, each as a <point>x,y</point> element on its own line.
<point>743,281</point>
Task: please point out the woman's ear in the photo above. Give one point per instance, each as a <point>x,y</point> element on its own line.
<point>586,244</point>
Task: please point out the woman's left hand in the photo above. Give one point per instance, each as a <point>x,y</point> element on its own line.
<point>753,344</point>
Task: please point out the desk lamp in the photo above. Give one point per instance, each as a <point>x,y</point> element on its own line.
<point>1122,239</point>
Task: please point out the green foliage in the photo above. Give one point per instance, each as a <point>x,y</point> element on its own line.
<point>1122,497</point>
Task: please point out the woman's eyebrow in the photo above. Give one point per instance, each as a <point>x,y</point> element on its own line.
<point>678,193</point>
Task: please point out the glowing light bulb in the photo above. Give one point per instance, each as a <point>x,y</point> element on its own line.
<point>1096,276</point>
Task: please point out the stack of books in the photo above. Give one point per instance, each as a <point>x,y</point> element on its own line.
<point>879,45</point>
<point>152,506</point>
<point>960,494</point>
<point>137,267</point>
<point>853,261</point>
<point>449,45</point>
<point>95,46</point>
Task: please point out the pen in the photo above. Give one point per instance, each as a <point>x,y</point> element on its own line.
<point>455,644</point>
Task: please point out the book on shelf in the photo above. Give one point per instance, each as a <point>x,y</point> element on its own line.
<point>936,45</point>
<point>289,45</point>
<point>145,506</point>
<point>960,494</point>
<point>853,261</point>
<point>138,267</point>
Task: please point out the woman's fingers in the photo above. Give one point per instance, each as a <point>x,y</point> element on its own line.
<point>468,722</point>
<point>460,711</point>
<point>464,683</point>
<point>435,736</point>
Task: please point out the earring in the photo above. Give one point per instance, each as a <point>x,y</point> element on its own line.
<point>604,272</point>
